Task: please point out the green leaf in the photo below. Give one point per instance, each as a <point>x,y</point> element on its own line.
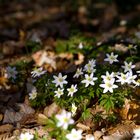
<point>107,102</point>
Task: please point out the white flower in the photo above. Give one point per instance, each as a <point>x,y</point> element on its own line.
<point>123,22</point>
<point>60,80</point>
<point>123,78</point>
<point>136,134</point>
<point>59,92</point>
<point>137,83</point>
<point>111,58</point>
<point>78,73</point>
<point>128,66</point>
<point>131,78</point>
<point>89,137</point>
<point>26,136</point>
<point>37,72</point>
<point>72,90</point>
<point>33,94</point>
<point>108,76</point>
<point>73,109</point>
<point>80,46</point>
<point>108,86</point>
<point>74,135</point>
<point>90,66</point>
<point>64,119</point>
<point>11,72</point>
<point>89,80</point>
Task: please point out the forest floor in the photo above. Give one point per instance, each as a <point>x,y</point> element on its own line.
<point>60,39</point>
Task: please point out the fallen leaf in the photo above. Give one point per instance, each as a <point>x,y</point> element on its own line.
<point>98,135</point>
<point>51,110</point>
<point>83,127</point>
<point>41,119</point>
<point>80,59</point>
<point>43,57</point>
<point>125,109</point>
<point>6,128</point>
<point>11,116</point>
<point>6,136</point>
<point>24,108</point>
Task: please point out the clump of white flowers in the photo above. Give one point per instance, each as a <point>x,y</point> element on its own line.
<point>90,66</point>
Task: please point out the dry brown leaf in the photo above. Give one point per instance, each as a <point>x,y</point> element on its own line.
<point>24,108</point>
<point>43,57</point>
<point>51,110</point>
<point>121,131</point>
<point>121,48</point>
<point>41,119</point>
<point>11,116</point>
<point>124,111</point>
<point>29,119</point>
<point>3,82</point>
<point>82,126</point>
<point>80,59</point>
<point>5,136</point>
<point>98,134</point>
<point>111,137</point>
<point>6,128</point>
<point>134,111</point>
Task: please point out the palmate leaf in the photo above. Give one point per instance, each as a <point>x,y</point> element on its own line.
<point>107,101</point>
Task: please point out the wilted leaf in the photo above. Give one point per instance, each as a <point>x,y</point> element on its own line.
<point>41,119</point>
<point>6,128</point>
<point>43,57</point>
<point>24,108</point>
<point>51,110</point>
<point>10,116</point>
<point>98,134</point>
<point>82,126</point>
<point>124,111</point>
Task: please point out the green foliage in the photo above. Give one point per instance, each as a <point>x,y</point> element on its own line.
<point>85,113</point>
<point>55,132</point>
<point>111,118</point>
<point>107,101</point>
<point>71,46</point>
<point>97,117</point>
<point>45,91</point>
<point>32,46</point>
